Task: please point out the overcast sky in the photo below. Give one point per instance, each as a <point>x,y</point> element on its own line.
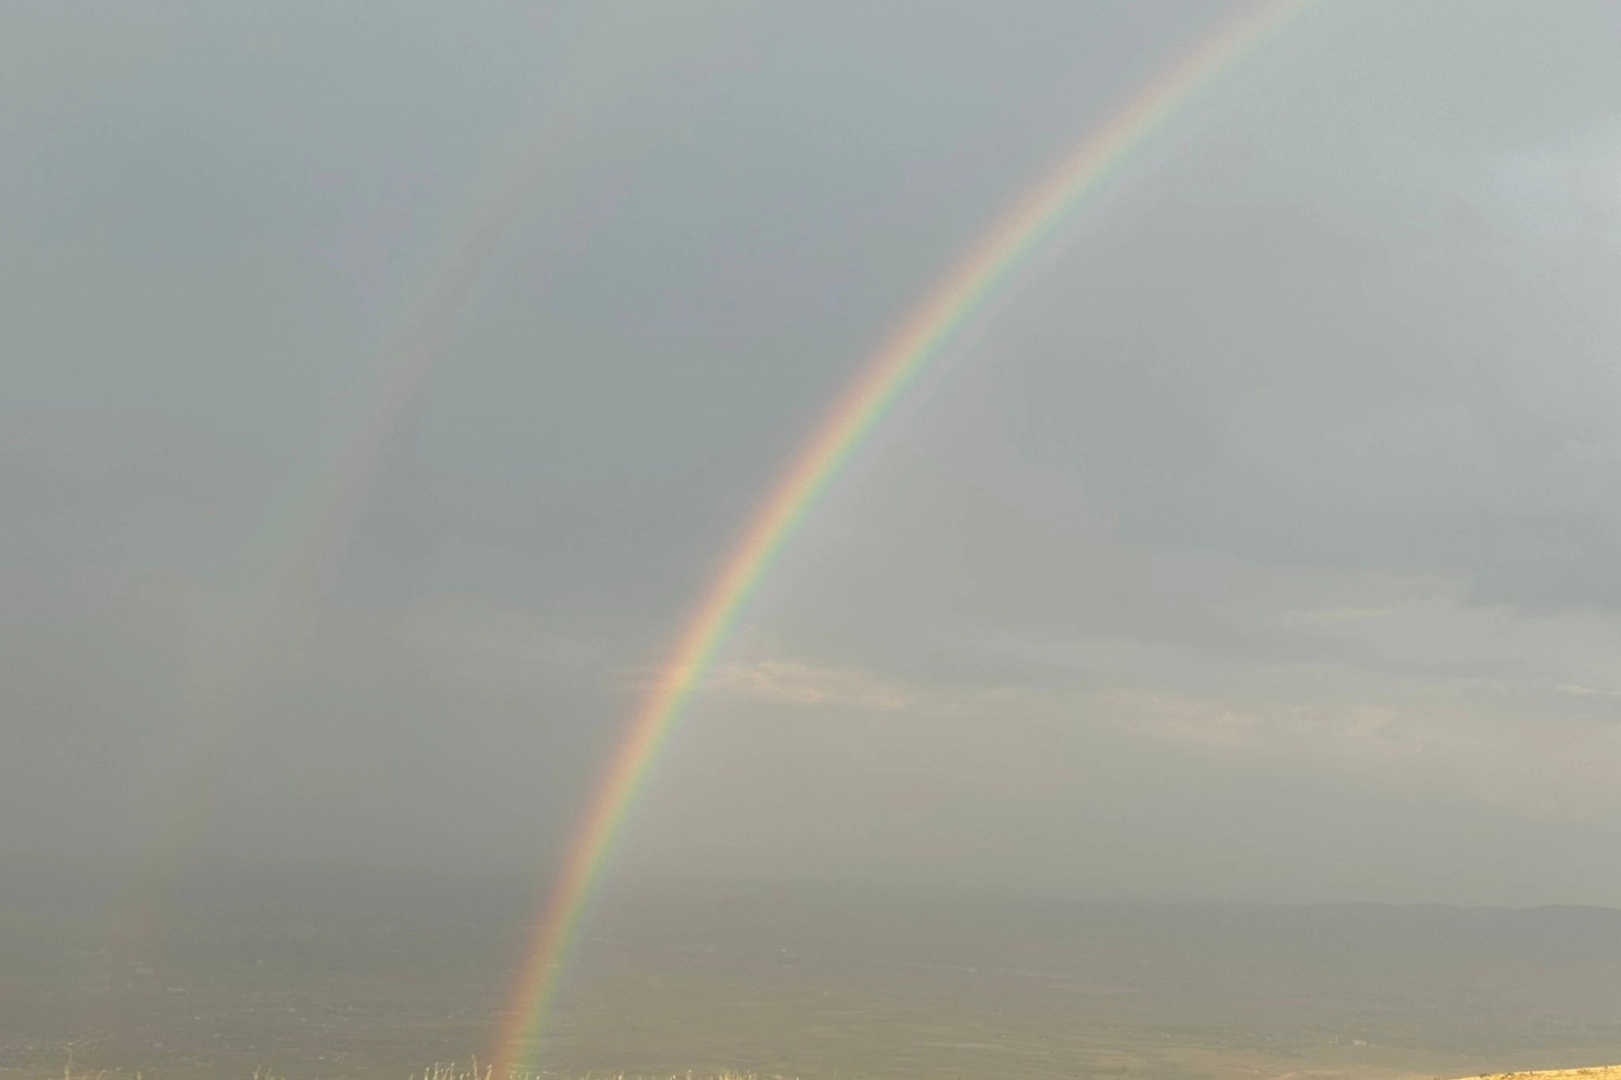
<point>1260,543</point>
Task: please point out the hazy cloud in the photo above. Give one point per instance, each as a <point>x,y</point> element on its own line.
<point>1260,541</point>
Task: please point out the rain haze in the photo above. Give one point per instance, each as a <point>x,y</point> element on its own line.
<point>385,387</point>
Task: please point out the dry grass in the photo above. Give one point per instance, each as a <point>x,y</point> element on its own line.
<point>1594,1072</point>
<point>474,1071</point>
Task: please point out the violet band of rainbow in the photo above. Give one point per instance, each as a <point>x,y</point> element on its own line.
<point>903,356</point>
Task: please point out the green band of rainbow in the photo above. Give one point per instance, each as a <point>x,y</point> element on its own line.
<point>902,358</point>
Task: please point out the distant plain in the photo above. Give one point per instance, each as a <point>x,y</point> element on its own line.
<point>822,986</point>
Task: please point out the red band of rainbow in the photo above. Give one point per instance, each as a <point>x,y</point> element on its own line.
<point>903,356</point>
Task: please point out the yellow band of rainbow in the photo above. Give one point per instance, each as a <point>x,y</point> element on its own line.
<point>903,356</point>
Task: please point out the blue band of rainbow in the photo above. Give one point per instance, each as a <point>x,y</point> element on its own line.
<point>903,356</point>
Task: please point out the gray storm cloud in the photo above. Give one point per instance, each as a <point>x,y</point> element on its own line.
<point>1259,545</point>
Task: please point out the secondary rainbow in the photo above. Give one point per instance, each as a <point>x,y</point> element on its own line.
<point>308,525</point>
<point>904,354</point>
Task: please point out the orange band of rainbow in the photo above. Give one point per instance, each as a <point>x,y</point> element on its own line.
<point>902,358</point>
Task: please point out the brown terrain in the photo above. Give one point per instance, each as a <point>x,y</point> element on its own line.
<point>824,988</point>
<point>1594,1072</point>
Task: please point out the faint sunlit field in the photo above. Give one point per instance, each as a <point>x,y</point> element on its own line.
<point>777,987</point>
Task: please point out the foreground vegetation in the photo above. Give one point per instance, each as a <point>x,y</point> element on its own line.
<point>1595,1072</point>
<point>473,1070</point>
<point>455,1071</point>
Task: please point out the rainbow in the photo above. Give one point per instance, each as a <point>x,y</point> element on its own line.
<point>305,528</point>
<point>301,536</point>
<point>898,362</point>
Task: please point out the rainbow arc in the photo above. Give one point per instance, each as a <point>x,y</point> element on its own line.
<point>903,356</point>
